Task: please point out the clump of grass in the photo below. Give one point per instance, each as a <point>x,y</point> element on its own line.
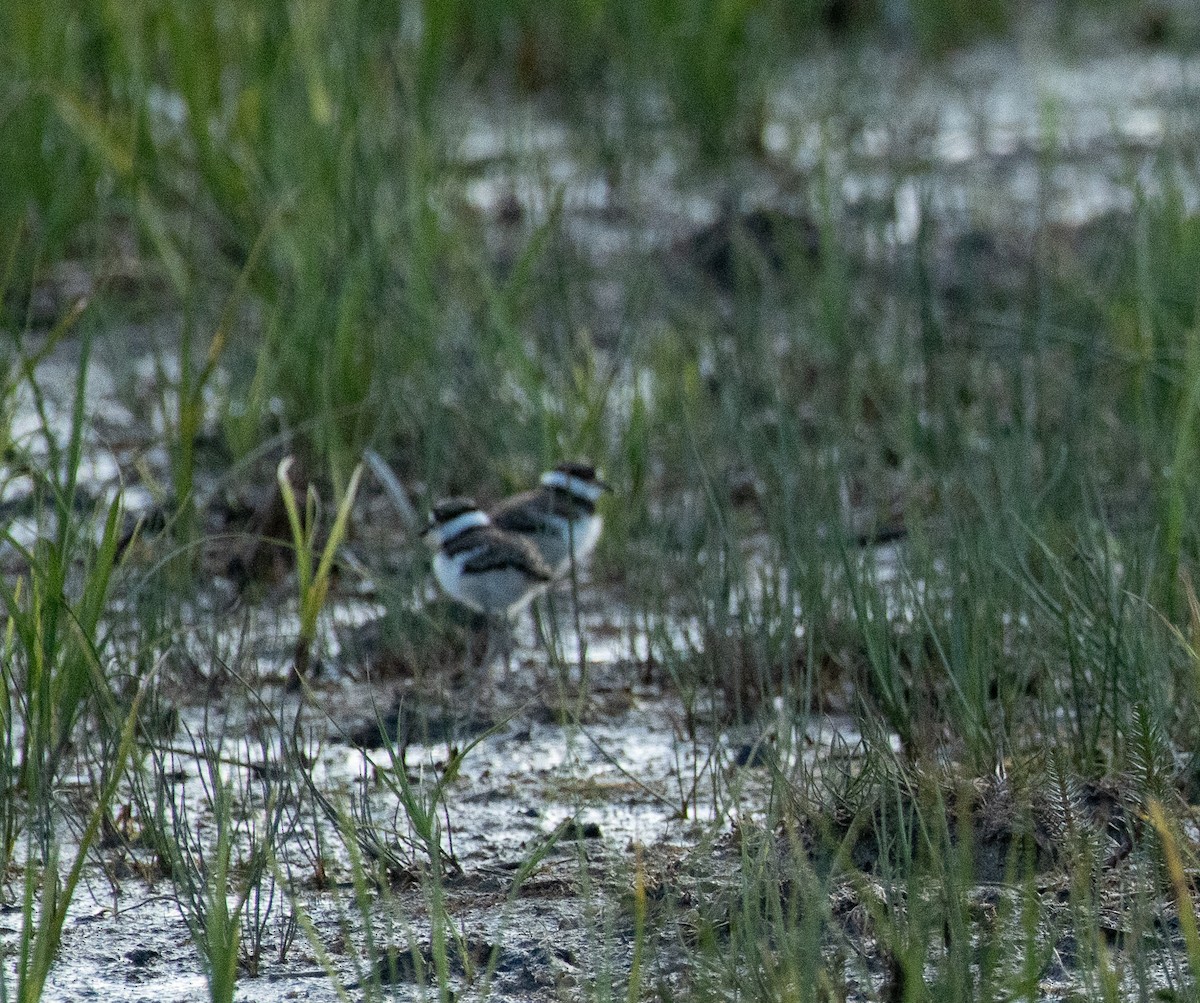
<point>48,895</point>
<point>423,803</point>
<point>216,878</point>
<point>56,627</point>
<point>55,677</point>
<point>313,572</point>
<point>1153,315</point>
<point>183,422</point>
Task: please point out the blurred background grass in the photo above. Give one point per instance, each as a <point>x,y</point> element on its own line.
<point>286,178</point>
<point>286,181</point>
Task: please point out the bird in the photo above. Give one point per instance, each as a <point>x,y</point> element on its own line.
<point>487,569</point>
<point>559,516</point>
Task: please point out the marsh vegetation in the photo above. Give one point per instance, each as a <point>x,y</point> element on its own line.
<point>882,320</point>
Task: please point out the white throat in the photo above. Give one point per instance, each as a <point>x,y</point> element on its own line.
<point>460,524</point>
<point>572,484</point>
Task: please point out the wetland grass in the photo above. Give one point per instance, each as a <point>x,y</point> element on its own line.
<point>1015,816</point>
<point>58,686</point>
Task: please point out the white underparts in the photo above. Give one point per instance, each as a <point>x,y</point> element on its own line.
<point>500,591</point>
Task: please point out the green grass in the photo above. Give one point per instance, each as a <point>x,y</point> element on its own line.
<point>1022,665</point>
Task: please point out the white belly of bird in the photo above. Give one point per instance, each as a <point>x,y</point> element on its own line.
<point>566,538</point>
<point>499,592</point>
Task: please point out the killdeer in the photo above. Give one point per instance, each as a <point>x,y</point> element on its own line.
<point>491,571</point>
<point>559,516</point>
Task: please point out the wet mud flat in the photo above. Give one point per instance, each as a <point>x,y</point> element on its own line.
<point>579,830</point>
<point>600,803</point>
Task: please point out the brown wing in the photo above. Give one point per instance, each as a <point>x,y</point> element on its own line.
<point>529,511</point>
<point>523,513</point>
<point>503,550</point>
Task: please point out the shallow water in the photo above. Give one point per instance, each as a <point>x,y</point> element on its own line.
<point>1000,135</point>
